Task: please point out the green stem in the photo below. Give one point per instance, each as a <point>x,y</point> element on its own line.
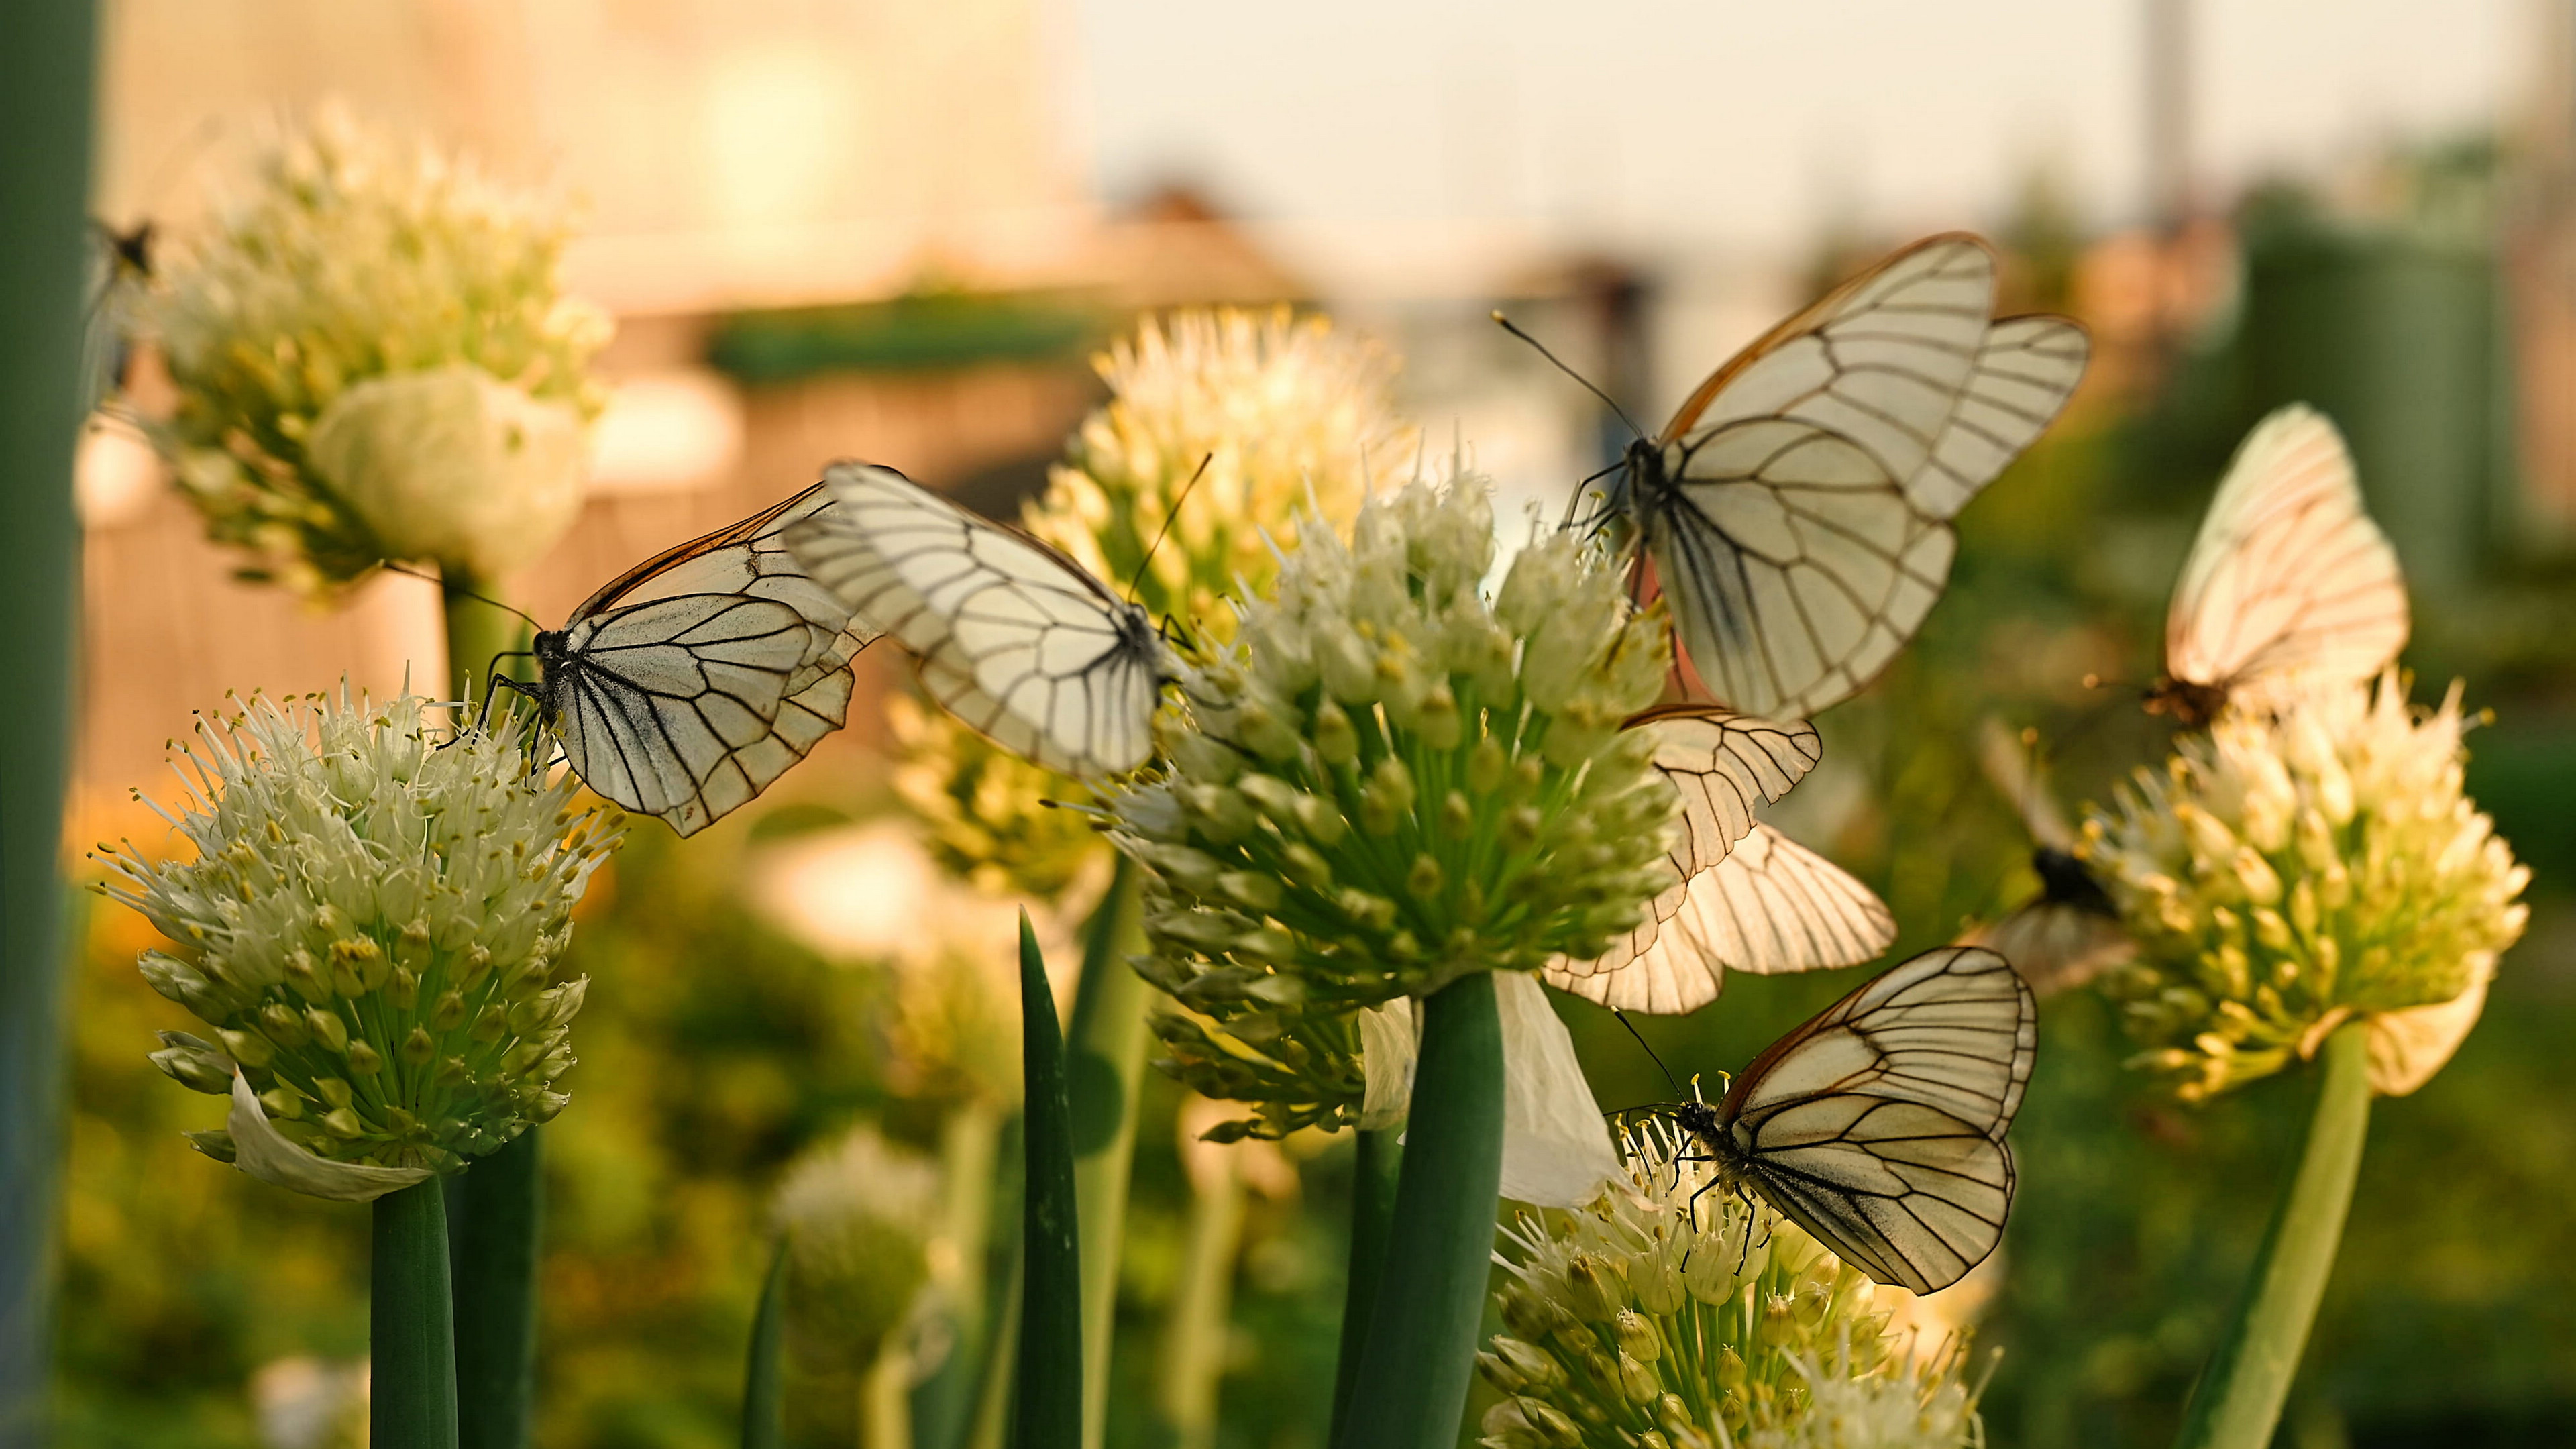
<point>1105,1067</point>
<point>944,1403</point>
<point>412,1342</point>
<point>885,1398</point>
<point>2238,1399</point>
<point>1373,1184</point>
<point>1194,1336</point>
<point>46,71</point>
<point>499,1202</point>
<point>764,1407</point>
<point>1048,1410</point>
<point>1411,1387</point>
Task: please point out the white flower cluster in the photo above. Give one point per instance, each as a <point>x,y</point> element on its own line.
<point>370,925</point>
<point>2300,867</point>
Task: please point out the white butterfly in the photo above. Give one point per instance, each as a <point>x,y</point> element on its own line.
<point>2289,577</point>
<point>2071,932</point>
<point>1013,637</point>
<point>120,267</point>
<point>1878,1126</point>
<point>1796,509</point>
<point>689,682</point>
<point>1742,895</point>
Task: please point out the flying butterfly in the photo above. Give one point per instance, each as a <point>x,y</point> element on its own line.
<point>2289,578</point>
<point>1013,637</point>
<point>685,685</point>
<point>1878,1126</point>
<point>2070,933</point>
<point>1742,895</point>
<point>1796,510</point>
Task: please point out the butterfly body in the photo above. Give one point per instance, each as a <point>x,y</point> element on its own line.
<point>2065,880</point>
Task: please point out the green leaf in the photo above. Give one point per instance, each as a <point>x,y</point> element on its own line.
<point>1048,1410</point>
<point>764,1408</point>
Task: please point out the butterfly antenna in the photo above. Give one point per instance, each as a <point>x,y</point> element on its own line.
<point>409,571</point>
<point>1669,1079</point>
<point>1621,413</point>
<point>1165,531</point>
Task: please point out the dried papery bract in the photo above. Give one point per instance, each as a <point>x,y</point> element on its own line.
<point>375,359</point>
<point>1674,1313</point>
<point>2296,869</point>
<point>1388,781</point>
<point>370,927</point>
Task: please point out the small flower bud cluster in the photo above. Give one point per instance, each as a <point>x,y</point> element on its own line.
<point>370,929</point>
<point>375,359</point>
<point>985,810</point>
<point>1282,410</point>
<point>1667,1316</point>
<point>2298,868</point>
<point>859,1217</point>
<point>1387,781</point>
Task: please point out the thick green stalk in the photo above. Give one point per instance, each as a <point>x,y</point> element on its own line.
<point>411,1341</point>
<point>1194,1335</point>
<point>1411,1387</point>
<point>1048,1406</point>
<point>1373,1184</point>
<point>2238,1400</point>
<point>46,68</point>
<point>944,1403</point>
<point>499,1202</point>
<point>885,1398</point>
<point>764,1407</point>
<point>1105,1069</point>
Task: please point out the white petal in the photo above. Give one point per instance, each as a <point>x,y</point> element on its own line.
<point>1390,1044</point>
<point>262,1151</point>
<point>1556,1144</point>
<point>2408,1047</point>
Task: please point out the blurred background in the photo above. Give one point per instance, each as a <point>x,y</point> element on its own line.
<point>900,232</point>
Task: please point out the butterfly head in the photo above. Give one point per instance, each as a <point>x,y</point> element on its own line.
<point>2066,880</point>
<point>2186,702</point>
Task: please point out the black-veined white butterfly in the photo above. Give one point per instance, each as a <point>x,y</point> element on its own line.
<point>2289,578</point>
<point>120,265</point>
<point>2070,933</point>
<point>1878,1126</point>
<point>1742,896</point>
<point>1796,510</point>
<point>688,683</point>
<point>1013,637</point>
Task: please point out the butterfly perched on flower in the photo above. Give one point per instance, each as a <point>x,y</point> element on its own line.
<point>1796,510</point>
<point>120,267</point>
<point>1878,1125</point>
<point>1741,895</point>
<point>685,685</point>
<point>2070,932</point>
<point>1013,637</point>
<point>2287,578</point>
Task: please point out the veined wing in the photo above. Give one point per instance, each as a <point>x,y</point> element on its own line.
<point>2289,575</point>
<point>1879,1124</point>
<point>1021,642</point>
<point>2056,945</point>
<point>1770,906</point>
<point>2026,369</point>
<point>1725,765</point>
<point>678,708</point>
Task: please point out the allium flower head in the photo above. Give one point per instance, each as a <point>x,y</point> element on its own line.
<point>1664,1315</point>
<point>375,359</point>
<point>2300,868</point>
<point>1283,410</point>
<point>858,1216</point>
<point>369,926</point>
<point>1387,781</point>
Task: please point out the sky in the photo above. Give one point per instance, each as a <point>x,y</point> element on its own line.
<point>1742,122</point>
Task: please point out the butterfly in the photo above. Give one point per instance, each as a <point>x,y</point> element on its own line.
<point>1013,637</point>
<point>1878,1126</point>
<point>688,683</point>
<point>1796,510</point>
<point>120,265</point>
<point>2071,932</point>
<point>2288,578</point>
<point>1741,894</point>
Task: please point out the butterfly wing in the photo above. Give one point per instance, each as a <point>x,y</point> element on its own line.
<point>678,707</point>
<point>1770,906</point>
<point>1725,765</point>
<point>1879,1125</point>
<point>1016,639</point>
<point>1803,531</point>
<point>2056,945</point>
<point>2289,575</point>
